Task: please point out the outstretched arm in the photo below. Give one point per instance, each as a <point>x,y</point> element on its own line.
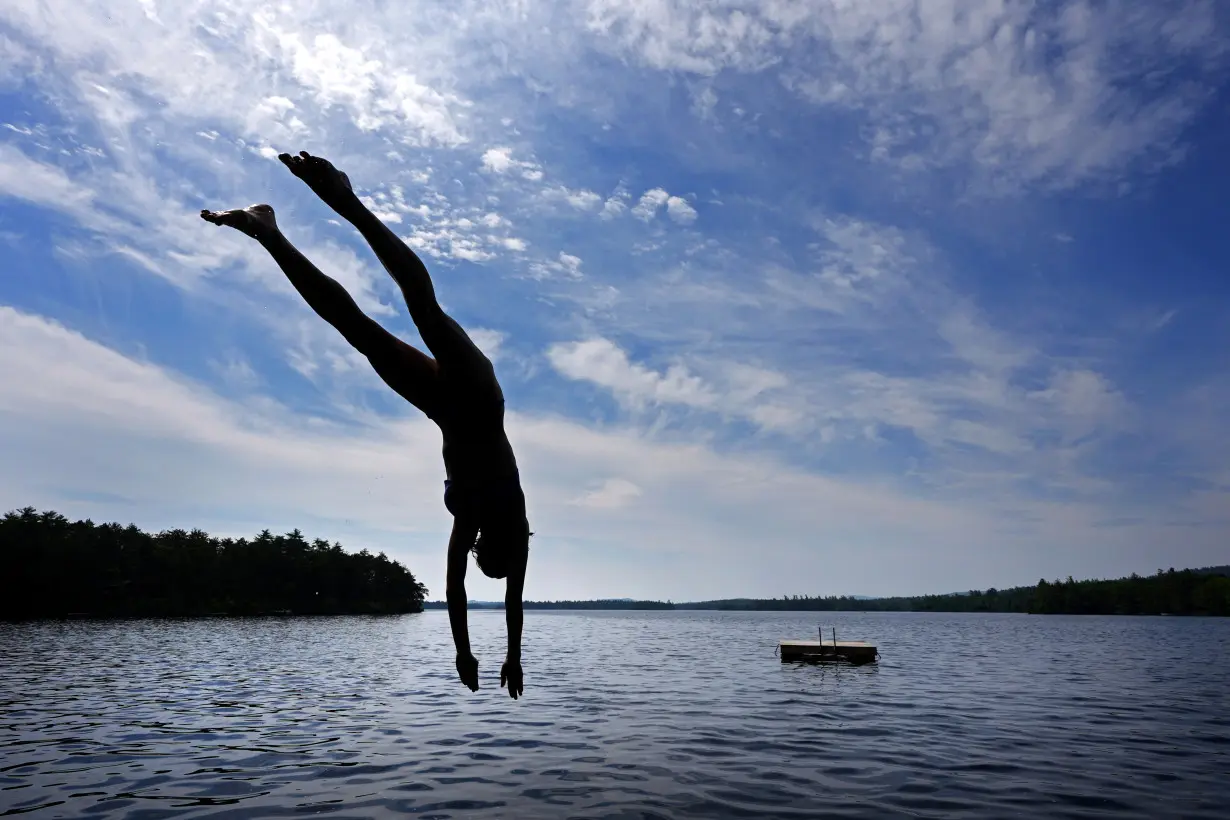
<point>514,616</point>
<point>459,544</point>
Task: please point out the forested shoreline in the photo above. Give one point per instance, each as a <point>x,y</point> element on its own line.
<point>53,567</point>
<point>1169,592</point>
<point>600,603</point>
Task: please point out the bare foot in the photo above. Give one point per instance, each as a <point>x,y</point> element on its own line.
<point>326,181</point>
<point>257,221</point>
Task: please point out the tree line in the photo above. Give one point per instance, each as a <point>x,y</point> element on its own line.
<point>53,567</point>
<point>617,603</point>
<point>621,603</point>
<point>1186,592</point>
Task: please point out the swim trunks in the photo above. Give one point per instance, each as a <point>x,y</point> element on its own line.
<point>484,499</point>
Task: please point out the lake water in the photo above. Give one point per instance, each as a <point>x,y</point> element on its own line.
<point>625,715</point>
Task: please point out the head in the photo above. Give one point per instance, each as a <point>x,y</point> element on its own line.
<point>502,545</point>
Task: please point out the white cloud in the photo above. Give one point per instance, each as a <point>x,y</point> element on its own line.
<point>777,417</point>
<point>274,119</point>
<point>497,160</point>
<point>615,205</point>
<point>137,222</point>
<point>861,256</point>
<point>581,199</point>
<point>565,266</point>
<point>445,230</point>
<point>859,266</point>
<point>651,201</point>
<point>602,362</point>
<point>679,210</point>
<point>500,161</point>
<point>236,372</point>
<point>614,493</point>
<point>24,178</point>
<point>447,237</point>
<point>571,263</point>
<point>1085,400</point>
<point>490,342</point>
<point>703,102</point>
<point>748,382</point>
<point>650,204</point>
<point>735,390</point>
<point>379,96</point>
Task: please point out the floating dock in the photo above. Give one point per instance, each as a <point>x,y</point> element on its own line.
<point>855,652</point>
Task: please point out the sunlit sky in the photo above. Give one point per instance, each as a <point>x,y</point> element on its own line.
<point>817,297</point>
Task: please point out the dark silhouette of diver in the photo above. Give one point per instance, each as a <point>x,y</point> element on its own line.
<point>455,387</point>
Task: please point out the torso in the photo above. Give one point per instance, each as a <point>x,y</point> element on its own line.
<point>470,415</point>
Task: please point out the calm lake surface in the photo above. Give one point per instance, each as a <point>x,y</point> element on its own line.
<point>625,715</point>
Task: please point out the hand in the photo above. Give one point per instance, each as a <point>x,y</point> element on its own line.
<point>257,221</point>
<point>511,674</point>
<point>467,670</point>
<point>328,183</point>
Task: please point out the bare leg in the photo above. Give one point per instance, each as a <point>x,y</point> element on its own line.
<point>322,293</point>
<point>447,341</point>
<point>408,371</point>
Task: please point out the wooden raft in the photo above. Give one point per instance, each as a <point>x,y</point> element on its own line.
<point>856,652</point>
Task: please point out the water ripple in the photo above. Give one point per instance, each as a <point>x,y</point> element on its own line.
<point>626,715</point>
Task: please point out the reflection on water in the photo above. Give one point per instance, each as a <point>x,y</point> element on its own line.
<point>654,714</point>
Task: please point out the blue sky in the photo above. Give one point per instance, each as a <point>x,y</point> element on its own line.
<point>788,297</point>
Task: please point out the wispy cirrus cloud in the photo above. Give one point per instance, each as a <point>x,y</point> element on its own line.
<point>1031,92</point>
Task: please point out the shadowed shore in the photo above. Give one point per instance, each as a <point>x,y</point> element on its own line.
<point>51,567</point>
